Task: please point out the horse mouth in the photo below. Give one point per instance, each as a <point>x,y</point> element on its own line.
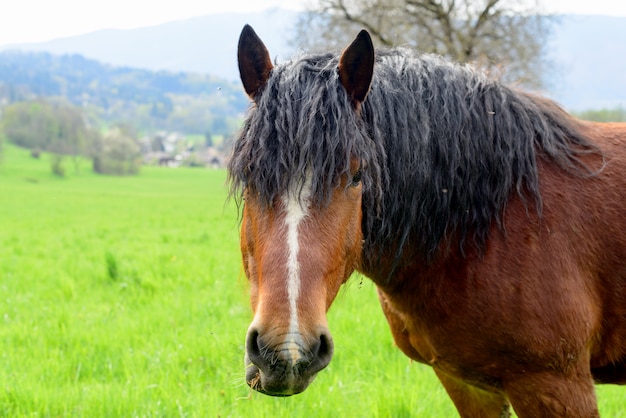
<point>255,380</point>
<point>255,384</point>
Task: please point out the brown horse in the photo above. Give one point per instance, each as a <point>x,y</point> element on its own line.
<point>491,221</point>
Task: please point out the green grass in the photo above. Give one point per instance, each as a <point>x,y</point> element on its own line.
<point>124,297</point>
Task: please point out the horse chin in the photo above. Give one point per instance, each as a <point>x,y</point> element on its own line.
<point>272,386</point>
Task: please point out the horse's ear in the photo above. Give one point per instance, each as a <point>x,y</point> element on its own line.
<point>356,67</point>
<point>254,61</point>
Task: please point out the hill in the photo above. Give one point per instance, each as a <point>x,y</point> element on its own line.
<point>151,100</point>
<point>205,45</point>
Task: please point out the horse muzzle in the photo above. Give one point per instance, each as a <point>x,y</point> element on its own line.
<point>286,368</point>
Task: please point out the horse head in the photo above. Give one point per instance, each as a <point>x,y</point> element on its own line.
<point>297,251</point>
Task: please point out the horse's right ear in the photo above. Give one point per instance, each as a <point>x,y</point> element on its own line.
<point>254,61</point>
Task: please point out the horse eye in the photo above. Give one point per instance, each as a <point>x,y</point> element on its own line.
<point>356,179</point>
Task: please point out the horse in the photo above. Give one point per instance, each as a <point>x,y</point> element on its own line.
<point>491,221</point>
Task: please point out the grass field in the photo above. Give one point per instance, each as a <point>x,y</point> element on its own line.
<point>124,297</point>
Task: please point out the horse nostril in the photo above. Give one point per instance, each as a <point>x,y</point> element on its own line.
<point>253,349</point>
<point>322,353</point>
<point>326,346</point>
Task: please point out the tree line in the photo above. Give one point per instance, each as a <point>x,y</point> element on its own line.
<point>63,130</point>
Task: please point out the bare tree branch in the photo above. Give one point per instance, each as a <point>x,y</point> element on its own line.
<point>373,29</point>
<point>492,33</point>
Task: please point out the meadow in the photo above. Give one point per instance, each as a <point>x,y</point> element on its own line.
<point>124,297</point>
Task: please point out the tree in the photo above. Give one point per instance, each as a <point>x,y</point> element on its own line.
<point>117,153</point>
<point>208,139</point>
<point>508,35</point>
<point>57,127</point>
<point>617,114</point>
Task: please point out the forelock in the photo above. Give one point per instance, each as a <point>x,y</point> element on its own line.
<point>302,122</point>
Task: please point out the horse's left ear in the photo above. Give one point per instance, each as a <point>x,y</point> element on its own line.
<point>254,61</point>
<point>356,67</point>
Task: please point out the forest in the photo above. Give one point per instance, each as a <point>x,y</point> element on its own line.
<point>148,100</point>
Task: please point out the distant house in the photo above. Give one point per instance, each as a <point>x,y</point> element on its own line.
<point>212,158</point>
<point>172,150</point>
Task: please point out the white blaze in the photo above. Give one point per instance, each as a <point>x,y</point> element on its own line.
<point>296,203</point>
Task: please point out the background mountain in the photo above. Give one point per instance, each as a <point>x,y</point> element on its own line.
<point>148,100</point>
<point>588,58</point>
<point>206,45</point>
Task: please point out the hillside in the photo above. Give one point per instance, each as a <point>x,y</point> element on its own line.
<point>206,45</point>
<point>184,102</point>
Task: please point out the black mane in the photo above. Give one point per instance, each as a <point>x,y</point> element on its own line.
<point>442,146</point>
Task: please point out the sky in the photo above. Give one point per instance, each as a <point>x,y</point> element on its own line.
<point>23,21</point>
